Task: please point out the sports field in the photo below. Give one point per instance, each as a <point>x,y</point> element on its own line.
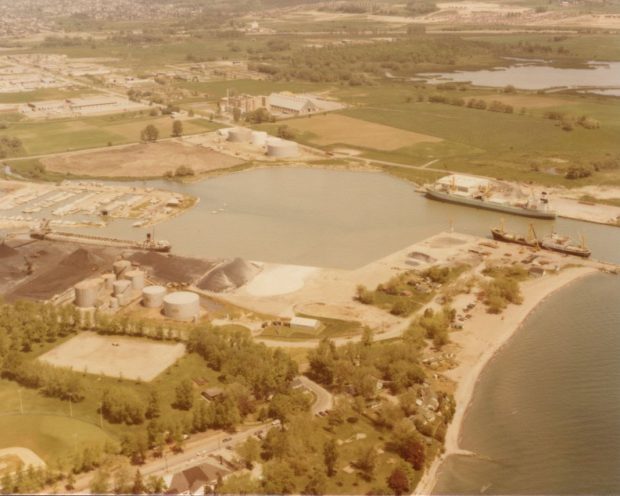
<point>140,160</point>
<point>129,358</point>
<point>335,128</point>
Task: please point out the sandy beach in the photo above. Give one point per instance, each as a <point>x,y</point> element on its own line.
<point>482,336</point>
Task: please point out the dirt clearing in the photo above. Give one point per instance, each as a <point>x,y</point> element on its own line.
<point>131,358</point>
<point>333,128</point>
<point>140,160</point>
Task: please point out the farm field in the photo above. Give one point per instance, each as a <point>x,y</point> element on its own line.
<point>218,89</point>
<point>523,145</point>
<point>57,136</point>
<point>42,94</point>
<point>340,129</point>
<point>140,160</point>
<point>129,358</point>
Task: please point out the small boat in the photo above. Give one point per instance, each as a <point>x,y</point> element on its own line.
<point>500,234</point>
<point>563,244</point>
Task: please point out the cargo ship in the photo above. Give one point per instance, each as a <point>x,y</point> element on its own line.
<point>499,234</point>
<point>552,242</point>
<point>563,244</point>
<point>476,192</point>
<point>149,244</point>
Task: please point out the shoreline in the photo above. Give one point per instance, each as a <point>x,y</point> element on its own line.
<point>484,335</point>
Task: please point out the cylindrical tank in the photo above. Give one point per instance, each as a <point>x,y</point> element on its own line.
<point>120,267</point>
<point>282,148</point>
<point>113,303</point>
<point>259,138</point>
<point>86,292</point>
<point>108,280</point>
<point>153,296</point>
<point>223,133</point>
<point>182,305</point>
<point>240,135</point>
<point>120,287</point>
<point>136,277</point>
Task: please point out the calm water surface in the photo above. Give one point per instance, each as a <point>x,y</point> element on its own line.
<point>545,418</point>
<point>326,218</point>
<point>535,77</point>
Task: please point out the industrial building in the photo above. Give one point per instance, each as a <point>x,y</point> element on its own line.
<point>289,104</point>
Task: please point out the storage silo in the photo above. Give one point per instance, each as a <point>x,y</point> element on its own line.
<point>282,148</point>
<point>259,138</point>
<point>153,296</point>
<point>108,280</point>
<point>86,292</point>
<point>182,305</point>
<point>120,287</point>
<point>240,135</point>
<point>136,277</point>
<point>120,267</point>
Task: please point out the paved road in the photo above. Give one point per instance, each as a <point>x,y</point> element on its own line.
<point>324,399</point>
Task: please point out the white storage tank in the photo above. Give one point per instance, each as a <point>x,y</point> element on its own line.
<point>86,292</point>
<point>108,280</point>
<point>113,303</point>
<point>240,135</point>
<point>153,296</point>
<point>120,287</point>
<point>182,305</point>
<point>282,148</point>
<point>259,138</point>
<point>223,133</point>
<point>120,267</point>
<point>136,277</point>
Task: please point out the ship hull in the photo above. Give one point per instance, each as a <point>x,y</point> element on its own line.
<point>567,251</point>
<point>499,236</point>
<point>472,202</point>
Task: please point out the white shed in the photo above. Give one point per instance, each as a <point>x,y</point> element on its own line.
<point>305,323</point>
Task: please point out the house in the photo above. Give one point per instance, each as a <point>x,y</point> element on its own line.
<point>194,479</point>
<point>285,103</point>
<point>212,393</point>
<point>305,324</point>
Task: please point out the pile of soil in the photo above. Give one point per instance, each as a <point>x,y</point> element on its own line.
<point>6,251</point>
<point>170,268</point>
<point>78,265</point>
<point>229,276</point>
<point>422,257</point>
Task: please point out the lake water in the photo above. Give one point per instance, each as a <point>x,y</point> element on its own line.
<point>529,76</point>
<point>327,218</point>
<point>545,418</point>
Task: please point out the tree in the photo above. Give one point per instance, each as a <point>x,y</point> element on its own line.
<point>184,395</point>
<point>330,456</point>
<point>285,132</point>
<point>149,133</point>
<point>398,481</point>
<point>278,478</point>
<point>177,128</point>
<point>70,484</point>
<point>152,406</point>
<point>366,462</point>
<point>138,484</point>
<point>411,449</point>
<point>250,451</point>
<point>155,484</point>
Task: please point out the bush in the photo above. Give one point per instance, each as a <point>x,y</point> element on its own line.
<point>184,171</point>
<point>285,132</point>
<point>577,172</point>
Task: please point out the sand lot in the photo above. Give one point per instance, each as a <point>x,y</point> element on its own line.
<point>333,128</point>
<point>11,458</point>
<point>136,359</point>
<point>140,160</point>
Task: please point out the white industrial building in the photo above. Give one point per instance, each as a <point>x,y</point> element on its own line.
<point>286,103</point>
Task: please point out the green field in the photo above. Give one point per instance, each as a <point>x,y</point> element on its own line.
<point>48,428</point>
<point>38,95</point>
<point>62,135</point>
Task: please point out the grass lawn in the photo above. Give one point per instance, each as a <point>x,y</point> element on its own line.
<point>52,437</point>
<point>62,135</point>
<point>42,94</point>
